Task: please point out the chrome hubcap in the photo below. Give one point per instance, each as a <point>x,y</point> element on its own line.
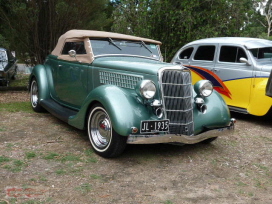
<point>100,129</point>
<point>34,94</point>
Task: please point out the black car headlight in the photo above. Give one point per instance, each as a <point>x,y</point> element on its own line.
<point>146,89</point>
<point>203,88</point>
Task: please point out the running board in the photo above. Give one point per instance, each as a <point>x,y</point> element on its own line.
<point>58,110</point>
<point>238,110</point>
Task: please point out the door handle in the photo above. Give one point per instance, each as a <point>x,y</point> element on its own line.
<point>214,70</point>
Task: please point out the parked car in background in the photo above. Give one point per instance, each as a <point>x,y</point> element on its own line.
<point>268,90</point>
<point>117,87</point>
<point>237,67</point>
<point>8,66</point>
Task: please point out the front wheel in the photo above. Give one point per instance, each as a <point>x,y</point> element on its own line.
<point>105,141</point>
<point>34,97</point>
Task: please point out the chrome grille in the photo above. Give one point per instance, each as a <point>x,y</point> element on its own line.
<point>121,80</point>
<point>177,99</point>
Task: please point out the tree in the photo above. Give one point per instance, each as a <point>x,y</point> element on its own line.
<point>33,26</point>
<point>178,22</point>
<point>3,42</point>
<point>264,7</point>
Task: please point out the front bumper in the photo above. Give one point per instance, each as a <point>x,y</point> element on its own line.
<point>185,139</point>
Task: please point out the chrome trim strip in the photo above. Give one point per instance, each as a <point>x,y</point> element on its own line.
<point>124,55</point>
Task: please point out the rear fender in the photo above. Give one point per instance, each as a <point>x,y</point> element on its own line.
<point>40,74</point>
<point>259,103</point>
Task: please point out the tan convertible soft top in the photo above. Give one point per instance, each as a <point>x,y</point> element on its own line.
<point>84,35</point>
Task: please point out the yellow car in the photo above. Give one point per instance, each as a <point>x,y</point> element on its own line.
<point>238,68</point>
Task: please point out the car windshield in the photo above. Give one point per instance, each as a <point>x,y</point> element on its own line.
<point>262,53</point>
<point>3,56</point>
<point>108,46</point>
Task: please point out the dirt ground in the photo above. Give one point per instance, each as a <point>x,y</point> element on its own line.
<point>42,157</point>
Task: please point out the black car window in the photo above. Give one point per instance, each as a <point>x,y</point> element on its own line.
<point>231,54</point>
<point>262,53</point>
<point>205,53</point>
<point>77,46</point>
<point>186,54</point>
<point>10,56</point>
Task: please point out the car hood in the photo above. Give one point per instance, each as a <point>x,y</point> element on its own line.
<point>265,65</point>
<point>133,64</point>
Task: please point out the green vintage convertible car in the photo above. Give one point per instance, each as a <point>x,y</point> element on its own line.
<point>117,87</point>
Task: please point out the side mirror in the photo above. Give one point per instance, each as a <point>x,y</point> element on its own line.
<point>244,60</point>
<point>72,53</point>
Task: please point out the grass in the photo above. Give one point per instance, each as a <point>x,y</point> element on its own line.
<point>51,156</point>
<point>70,157</point>
<point>94,176</point>
<point>4,159</point>
<point>30,155</point>
<point>20,81</point>
<point>16,166</point>
<point>84,188</point>
<point>168,202</point>
<point>16,107</point>
<point>60,171</point>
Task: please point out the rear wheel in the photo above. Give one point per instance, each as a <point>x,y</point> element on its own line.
<point>105,141</point>
<point>34,96</point>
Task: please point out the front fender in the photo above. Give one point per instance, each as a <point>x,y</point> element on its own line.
<point>217,114</point>
<point>121,104</point>
<point>39,73</point>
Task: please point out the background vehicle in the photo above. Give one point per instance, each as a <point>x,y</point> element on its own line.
<point>268,90</point>
<point>237,67</point>
<point>8,66</point>
<point>117,87</point>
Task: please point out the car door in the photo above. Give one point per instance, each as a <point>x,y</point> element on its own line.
<point>71,77</point>
<point>202,62</point>
<point>204,56</point>
<point>236,76</point>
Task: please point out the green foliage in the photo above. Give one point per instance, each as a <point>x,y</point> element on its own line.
<point>176,23</point>
<point>32,28</point>
<point>3,42</point>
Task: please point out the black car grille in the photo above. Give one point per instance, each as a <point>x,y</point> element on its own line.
<point>177,99</point>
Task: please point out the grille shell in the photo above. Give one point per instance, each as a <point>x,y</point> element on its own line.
<point>177,97</point>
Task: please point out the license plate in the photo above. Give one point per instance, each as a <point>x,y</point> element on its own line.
<point>151,126</point>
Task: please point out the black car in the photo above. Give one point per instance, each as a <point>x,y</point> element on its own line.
<point>8,66</point>
<point>268,89</point>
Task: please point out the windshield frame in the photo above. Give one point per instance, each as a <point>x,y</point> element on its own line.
<point>152,50</point>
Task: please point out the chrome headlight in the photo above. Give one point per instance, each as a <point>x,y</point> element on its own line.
<point>203,88</point>
<point>146,89</point>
